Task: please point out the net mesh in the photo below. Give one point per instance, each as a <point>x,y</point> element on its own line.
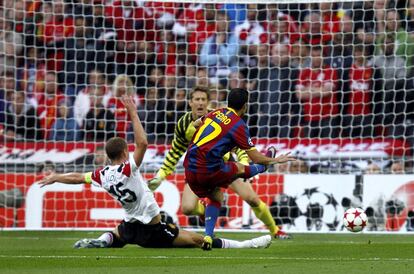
<point>330,81</point>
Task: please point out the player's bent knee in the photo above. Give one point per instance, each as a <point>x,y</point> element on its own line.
<point>187,210</point>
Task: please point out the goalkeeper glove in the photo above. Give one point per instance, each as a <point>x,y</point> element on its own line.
<point>155,182</point>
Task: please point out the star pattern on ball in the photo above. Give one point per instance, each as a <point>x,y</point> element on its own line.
<point>364,224</point>
<point>351,225</point>
<point>357,213</point>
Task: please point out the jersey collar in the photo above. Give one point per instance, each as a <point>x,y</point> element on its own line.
<point>232,110</point>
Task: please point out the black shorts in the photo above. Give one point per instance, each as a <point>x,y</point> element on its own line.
<point>158,235</point>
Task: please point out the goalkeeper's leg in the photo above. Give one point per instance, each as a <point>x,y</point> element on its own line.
<point>191,204</point>
<point>260,209</point>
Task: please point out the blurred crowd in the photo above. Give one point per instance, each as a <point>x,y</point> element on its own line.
<point>322,70</point>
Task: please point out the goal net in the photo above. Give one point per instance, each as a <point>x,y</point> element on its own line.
<point>330,81</point>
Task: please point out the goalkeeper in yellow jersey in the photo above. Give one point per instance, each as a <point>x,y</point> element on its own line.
<point>190,204</point>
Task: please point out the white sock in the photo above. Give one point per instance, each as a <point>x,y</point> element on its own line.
<point>107,238</point>
<point>235,244</point>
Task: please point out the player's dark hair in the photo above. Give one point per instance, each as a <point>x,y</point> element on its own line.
<point>115,147</point>
<point>237,98</point>
<point>204,89</point>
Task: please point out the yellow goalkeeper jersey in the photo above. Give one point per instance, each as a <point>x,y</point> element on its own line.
<point>183,134</point>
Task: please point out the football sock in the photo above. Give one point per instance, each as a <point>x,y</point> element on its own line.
<point>212,212</point>
<point>111,240</point>
<point>253,170</point>
<point>199,210</point>
<point>262,212</point>
<point>107,237</point>
<point>225,243</point>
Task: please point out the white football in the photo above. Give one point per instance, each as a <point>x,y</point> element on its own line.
<point>355,219</point>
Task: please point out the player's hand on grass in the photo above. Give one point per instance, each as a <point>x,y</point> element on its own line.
<point>284,158</point>
<point>48,180</point>
<point>129,103</point>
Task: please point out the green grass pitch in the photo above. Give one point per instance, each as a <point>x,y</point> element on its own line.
<point>52,252</point>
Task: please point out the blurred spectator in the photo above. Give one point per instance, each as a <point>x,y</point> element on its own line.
<point>48,103</point>
<point>271,91</point>
<point>330,18</point>
<point>173,108</point>
<point>21,121</point>
<point>238,79</point>
<point>148,114</point>
<point>82,105</point>
<point>163,12</point>
<point>379,8</point>
<point>11,46</point>
<point>65,127</point>
<point>236,13</point>
<point>397,167</point>
<point>360,99</point>
<point>166,48</point>
<point>312,30</point>
<point>196,23</point>
<point>53,31</point>
<point>219,52</point>
<point>340,51</point>
<point>299,55</point>
<point>316,90</point>
<point>132,23</point>
<point>282,29</point>
<point>403,43</point>
<point>32,75</point>
<point>99,124</point>
<point>99,159</point>
<point>8,85</point>
<point>372,168</point>
<point>296,167</point>
<point>80,54</point>
<point>410,17</point>
<point>365,22</point>
<point>252,31</point>
<point>189,79</point>
<point>122,86</point>
<point>156,78</point>
<point>3,103</point>
<point>202,77</point>
<point>23,22</point>
<point>394,74</point>
<point>47,168</point>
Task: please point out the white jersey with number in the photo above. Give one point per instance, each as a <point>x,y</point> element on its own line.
<point>125,183</point>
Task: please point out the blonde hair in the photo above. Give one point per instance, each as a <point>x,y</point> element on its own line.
<point>130,89</point>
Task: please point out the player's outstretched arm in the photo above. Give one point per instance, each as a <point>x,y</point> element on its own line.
<point>140,136</point>
<point>67,178</point>
<point>259,158</point>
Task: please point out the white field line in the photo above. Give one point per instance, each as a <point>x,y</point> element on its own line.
<point>306,242</point>
<point>272,258</point>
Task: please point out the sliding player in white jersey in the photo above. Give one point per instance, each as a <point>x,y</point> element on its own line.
<point>142,223</point>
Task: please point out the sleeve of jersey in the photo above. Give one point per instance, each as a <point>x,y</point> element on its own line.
<point>178,148</point>
<point>242,138</point>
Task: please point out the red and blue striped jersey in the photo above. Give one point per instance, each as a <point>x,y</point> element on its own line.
<point>221,131</point>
